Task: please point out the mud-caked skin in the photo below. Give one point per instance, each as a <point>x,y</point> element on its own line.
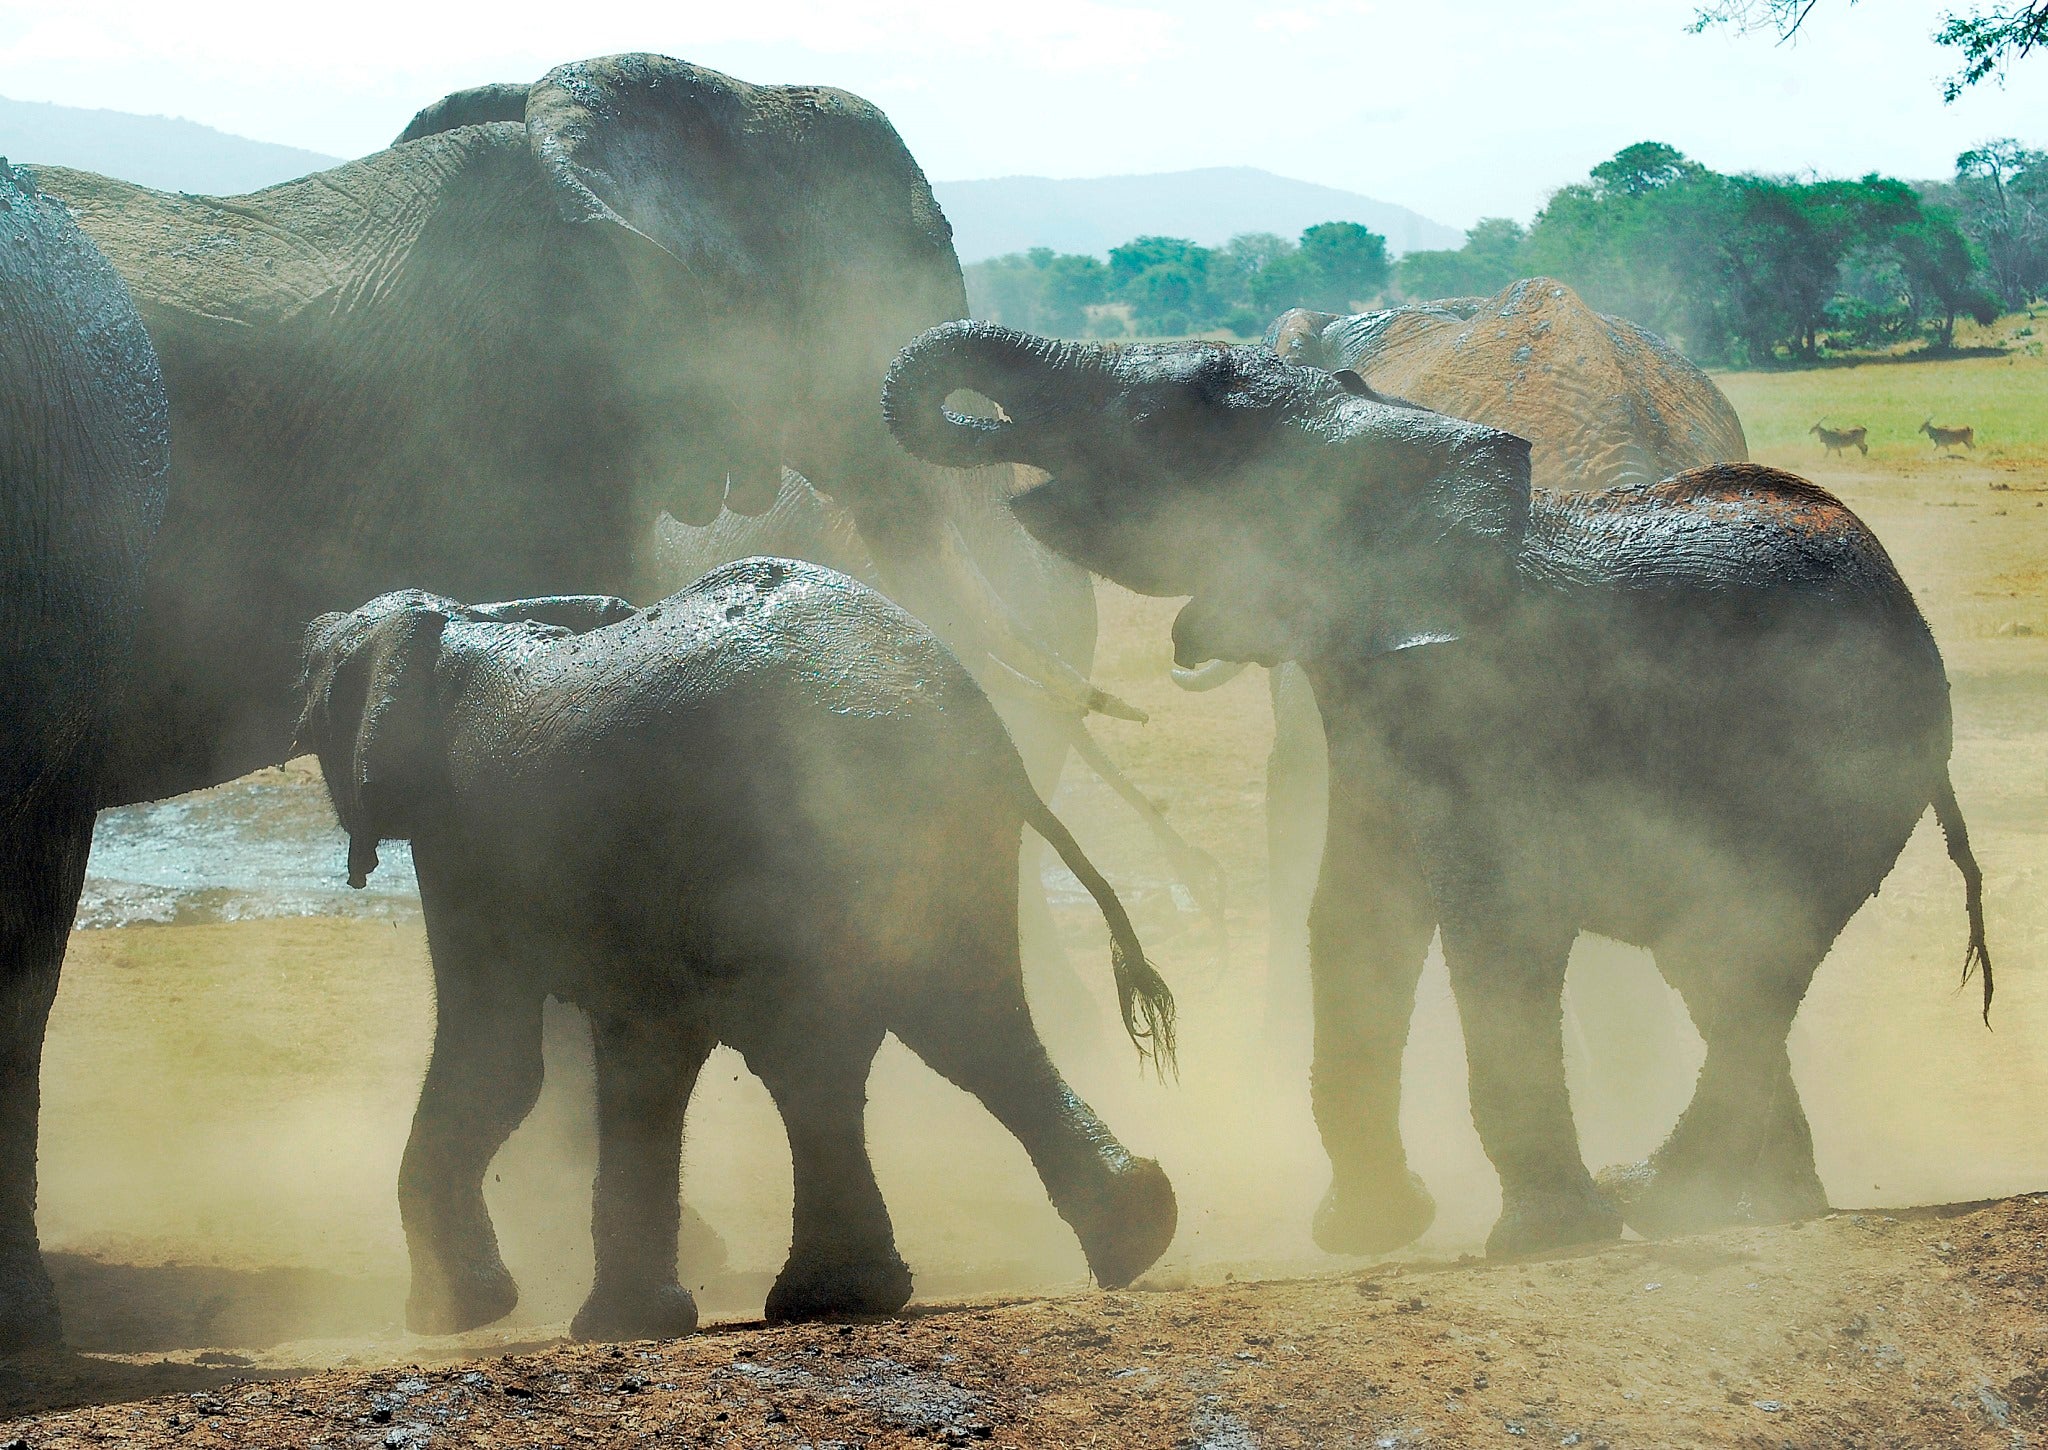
<point>772,811</point>
<point>1700,715</point>
<point>84,448</point>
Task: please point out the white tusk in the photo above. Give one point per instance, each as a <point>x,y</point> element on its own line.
<point>1210,676</point>
<point>970,609</point>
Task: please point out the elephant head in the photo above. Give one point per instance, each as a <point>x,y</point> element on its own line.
<point>369,708</point>
<point>775,246</point>
<point>1303,513</point>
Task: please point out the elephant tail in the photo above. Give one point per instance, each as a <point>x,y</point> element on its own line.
<point>1141,992</point>
<point>1977,954</point>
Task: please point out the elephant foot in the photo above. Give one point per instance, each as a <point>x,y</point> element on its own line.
<point>661,1311</point>
<point>1538,1221</point>
<point>28,1303</point>
<point>1130,1226</point>
<point>838,1290</point>
<point>451,1301</point>
<point>1374,1223</point>
<point>699,1249</point>
<point>1660,1198</point>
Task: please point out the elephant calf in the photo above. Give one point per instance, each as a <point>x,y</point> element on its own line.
<point>770,811</point>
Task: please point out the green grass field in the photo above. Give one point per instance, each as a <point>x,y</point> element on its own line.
<point>2004,398</point>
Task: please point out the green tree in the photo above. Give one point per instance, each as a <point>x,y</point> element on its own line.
<point>1073,283</point>
<point>1490,259</point>
<point>1942,272</point>
<point>1348,262</point>
<point>2000,195</point>
<point>1639,170</point>
<point>1165,280</point>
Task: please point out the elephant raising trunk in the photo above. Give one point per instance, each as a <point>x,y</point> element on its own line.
<point>1038,380</point>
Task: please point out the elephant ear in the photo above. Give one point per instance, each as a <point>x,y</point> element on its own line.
<point>1373,557</point>
<point>673,157</point>
<point>1444,556</point>
<point>370,714</point>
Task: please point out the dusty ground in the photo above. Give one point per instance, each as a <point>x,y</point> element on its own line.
<point>1919,1329</point>
<point>226,1101</point>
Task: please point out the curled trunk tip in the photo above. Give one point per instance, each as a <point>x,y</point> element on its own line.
<point>1016,369</point>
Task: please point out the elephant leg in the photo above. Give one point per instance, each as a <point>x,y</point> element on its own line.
<point>1369,934</point>
<point>1742,1151</point>
<point>978,1035</point>
<point>1297,822</point>
<point>646,1071</point>
<point>1507,973</point>
<point>842,1252</point>
<point>42,871</point>
<point>482,1081</point>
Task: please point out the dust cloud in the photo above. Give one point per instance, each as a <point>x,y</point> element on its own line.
<point>231,1097</point>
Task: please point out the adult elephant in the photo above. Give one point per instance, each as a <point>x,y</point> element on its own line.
<point>84,448</point>
<point>1699,716</point>
<point>1601,401</point>
<point>484,360</point>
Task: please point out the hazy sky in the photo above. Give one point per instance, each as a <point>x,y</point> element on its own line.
<point>1458,108</point>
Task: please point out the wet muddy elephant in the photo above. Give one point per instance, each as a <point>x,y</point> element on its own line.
<point>1601,402</point>
<point>485,360</point>
<point>84,449</point>
<point>1700,716</point>
<point>1055,599</point>
<point>771,811</point>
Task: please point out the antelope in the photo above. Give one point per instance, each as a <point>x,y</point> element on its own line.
<point>1950,437</point>
<point>1848,438</point>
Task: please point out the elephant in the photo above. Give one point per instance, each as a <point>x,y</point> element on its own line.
<point>1699,715</point>
<point>485,360</point>
<point>772,811</point>
<point>1057,605</point>
<point>84,452</point>
<point>1601,401</point>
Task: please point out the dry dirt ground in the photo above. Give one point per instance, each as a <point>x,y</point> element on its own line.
<point>1916,1329</point>
<point>226,1101</point>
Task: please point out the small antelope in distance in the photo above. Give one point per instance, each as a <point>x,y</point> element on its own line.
<point>1950,437</point>
<point>1840,442</point>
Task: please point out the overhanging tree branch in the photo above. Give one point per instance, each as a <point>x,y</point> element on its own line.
<point>1989,39</point>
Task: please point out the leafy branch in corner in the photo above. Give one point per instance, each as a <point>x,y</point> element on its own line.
<point>1989,38</point>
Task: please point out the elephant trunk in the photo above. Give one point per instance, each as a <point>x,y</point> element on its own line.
<point>1035,381</point>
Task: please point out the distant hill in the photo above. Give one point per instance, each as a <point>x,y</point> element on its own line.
<point>1208,206</point>
<point>159,151</point>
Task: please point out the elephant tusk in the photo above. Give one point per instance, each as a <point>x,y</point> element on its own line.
<point>1196,679</point>
<point>967,601</point>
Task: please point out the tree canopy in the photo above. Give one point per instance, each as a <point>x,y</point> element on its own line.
<point>1754,267</point>
<point>1169,286</point>
<point>1736,267</point>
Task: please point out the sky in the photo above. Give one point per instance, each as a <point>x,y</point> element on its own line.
<point>1457,108</point>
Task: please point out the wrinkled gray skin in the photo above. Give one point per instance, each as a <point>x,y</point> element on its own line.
<point>484,361</point>
<point>1055,600</point>
<point>1699,716</point>
<point>84,450</point>
<point>771,811</point>
<point>1602,403</point>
